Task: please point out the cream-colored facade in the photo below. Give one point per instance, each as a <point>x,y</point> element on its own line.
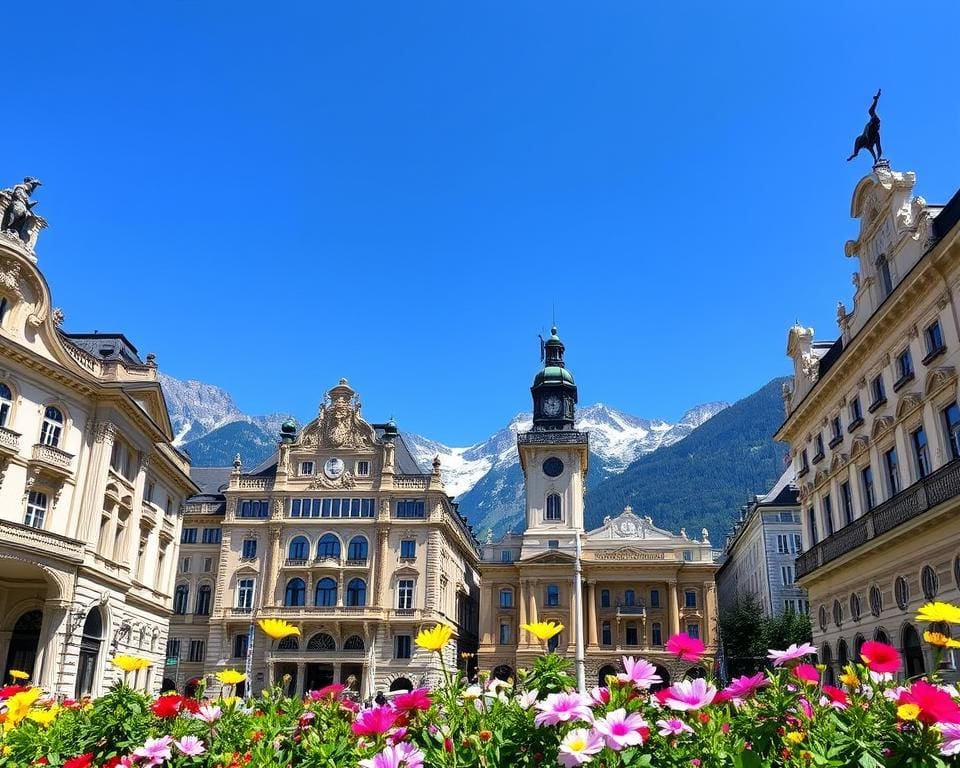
<point>640,584</point>
<point>344,536</point>
<point>874,430</point>
<point>90,494</point>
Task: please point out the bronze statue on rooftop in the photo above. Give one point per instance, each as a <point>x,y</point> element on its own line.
<point>16,211</point>
<point>870,138</point>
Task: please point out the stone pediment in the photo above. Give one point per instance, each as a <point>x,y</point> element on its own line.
<point>551,557</point>
<point>627,525</point>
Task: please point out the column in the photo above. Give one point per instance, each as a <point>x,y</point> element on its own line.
<point>298,689</point>
<point>270,598</point>
<point>48,646</point>
<point>522,590</point>
<point>534,588</point>
<point>673,607</point>
<point>340,588</point>
<point>591,614</point>
<point>337,671</point>
<point>574,621</point>
<point>380,566</point>
<point>709,597</point>
<point>486,614</point>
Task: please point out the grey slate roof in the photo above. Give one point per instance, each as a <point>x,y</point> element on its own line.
<point>210,479</point>
<point>106,346</point>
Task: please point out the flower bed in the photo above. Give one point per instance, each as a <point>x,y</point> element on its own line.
<point>785,716</point>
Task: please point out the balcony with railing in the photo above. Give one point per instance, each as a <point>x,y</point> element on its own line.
<point>36,540</point>
<point>53,459</point>
<point>9,442</point>
<point>912,502</point>
<point>638,608</point>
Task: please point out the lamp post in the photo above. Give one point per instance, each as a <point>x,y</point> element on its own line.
<point>578,617</point>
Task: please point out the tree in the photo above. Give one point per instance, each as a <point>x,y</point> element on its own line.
<point>787,628</point>
<point>743,637</point>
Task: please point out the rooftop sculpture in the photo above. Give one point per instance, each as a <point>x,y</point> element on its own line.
<point>16,212</point>
<point>870,138</point>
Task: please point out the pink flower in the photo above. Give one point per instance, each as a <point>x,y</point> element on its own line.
<point>673,727</point>
<point>744,687</point>
<point>807,672</point>
<point>154,751</point>
<point>374,721</point>
<point>793,653</point>
<point>563,708</point>
<point>641,673</point>
<point>834,697</point>
<point>413,701</point>
<point>621,730</point>
<point>394,756</point>
<point>807,708</point>
<point>209,713</point>
<point>688,695</point>
<point>951,738</point>
<point>600,695</point>
<point>190,746</point>
<point>880,657</point>
<point>328,692</point>
<point>579,746</point>
<point>685,647</point>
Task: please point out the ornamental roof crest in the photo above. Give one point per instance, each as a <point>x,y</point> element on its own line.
<point>338,423</point>
<point>628,525</point>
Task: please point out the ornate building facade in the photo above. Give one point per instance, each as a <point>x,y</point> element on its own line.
<point>340,533</point>
<point>640,584</point>
<point>873,424</point>
<point>90,487</point>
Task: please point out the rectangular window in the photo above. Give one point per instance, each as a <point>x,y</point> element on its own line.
<point>836,429</point>
<point>185,565</point>
<point>629,597</point>
<point>605,634</point>
<point>786,575</point>
<point>411,508</point>
<point>306,467</point>
<point>256,508</point>
<point>196,650</point>
<point>188,536</point>
<point>818,446</point>
<point>240,645</point>
<point>951,419</point>
<point>869,498</point>
<point>504,633</point>
<point>804,462</point>
<point>878,392</point>
<point>934,338</point>
<point>856,413</point>
<point>553,596</point>
<point>408,549</point>
<point>892,466</point>
<point>693,630</point>
<point>245,594</point>
<point>654,598</point>
<point>405,594</point>
<point>506,598</point>
<point>921,452</point>
<point>812,522</point>
<point>783,544</point>
<point>797,544</point>
<point>687,555</point>
<point>207,564</point>
<point>248,549</point>
<point>690,599</point>
<point>363,468</point>
<point>631,634</point>
<point>148,495</point>
<point>211,535</point>
<point>554,512</point>
<point>904,367</point>
<point>403,646</point>
<point>553,543</point>
<point>656,634</point>
<point>846,501</point>
<point>604,598</point>
<point>828,514</point>
<point>506,556</point>
<point>173,648</point>
<point>36,509</point>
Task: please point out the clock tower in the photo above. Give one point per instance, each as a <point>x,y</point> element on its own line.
<point>554,458</point>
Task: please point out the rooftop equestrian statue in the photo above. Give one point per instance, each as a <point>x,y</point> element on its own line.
<point>870,138</point>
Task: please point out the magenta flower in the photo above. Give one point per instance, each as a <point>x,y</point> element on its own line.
<point>374,721</point>
<point>621,730</point>
<point>641,673</point>
<point>154,751</point>
<point>395,756</point>
<point>807,672</point>
<point>411,756</point>
<point>951,738</point>
<point>563,708</point>
<point>600,695</point>
<point>744,687</point>
<point>690,695</point>
<point>412,701</point>
<point>673,727</point>
<point>579,746</point>
<point>793,653</point>
<point>191,746</point>
<point>685,647</point>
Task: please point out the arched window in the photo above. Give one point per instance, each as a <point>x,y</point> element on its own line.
<point>881,636</point>
<point>326,593</point>
<point>181,597</point>
<point>826,658</point>
<point>858,642</point>
<point>6,404</point>
<point>604,598</point>
<point>328,547</point>
<point>876,601</point>
<point>553,595</point>
<point>855,606</point>
<point>606,671</point>
<point>554,507</point>
<point>912,651</point>
<point>357,548</point>
<point>22,651</point>
<point>843,655</point>
<point>901,591</point>
<point>203,600</point>
<point>837,613</point>
<point>52,426</point>
<point>353,643</point>
<point>503,672</point>
<point>88,663</point>
<point>296,593</point>
<point>321,642</point>
<point>401,684</point>
<point>289,643</point>
<point>356,593</point>
<point>299,549</point>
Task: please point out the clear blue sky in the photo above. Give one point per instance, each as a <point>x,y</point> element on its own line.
<point>272,196</point>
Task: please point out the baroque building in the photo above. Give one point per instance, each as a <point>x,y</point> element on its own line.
<point>873,424</point>
<point>90,487</point>
<point>640,584</point>
<point>760,554</point>
<point>340,533</point>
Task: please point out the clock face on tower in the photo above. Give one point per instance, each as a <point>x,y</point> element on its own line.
<point>552,405</point>
<point>333,468</point>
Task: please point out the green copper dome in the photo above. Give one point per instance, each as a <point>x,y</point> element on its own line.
<point>554,374</point>
<point>289,427</point>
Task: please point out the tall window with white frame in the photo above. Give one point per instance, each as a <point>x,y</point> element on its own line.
<point>37,502</point>
<point>846,501</point>
<point>405,594</point>
<point>245,589</point>
<point>892,466</point>
<point>921,452</point>
<point>951,419</point>
<point>52,427</point>
<point>827,514</point>
<point>554,508</point>
<point>6,404</point>
<point>869,497</point>
<point>812,523</point>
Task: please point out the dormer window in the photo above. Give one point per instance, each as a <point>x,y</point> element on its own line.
<point>363,468</point>
<point>306,467</point>
<point>52,427</point>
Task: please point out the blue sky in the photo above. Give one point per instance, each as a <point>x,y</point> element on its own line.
<point>272,197</point>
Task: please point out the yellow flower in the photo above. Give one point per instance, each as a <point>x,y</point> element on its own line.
<point>131,663</point>
<point>278,628</point>
<point>19,674</point>
<point>849,677</point>
<point>44,717</point>
<point>543,630</point>
<point>795,737</point>
<point>231,701</point>
<point>940,640</point>
<point>937,612</point>
<point>231,677</point>
<point>908,711</point>
<point>18,705</point>
<point>435,639</point>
